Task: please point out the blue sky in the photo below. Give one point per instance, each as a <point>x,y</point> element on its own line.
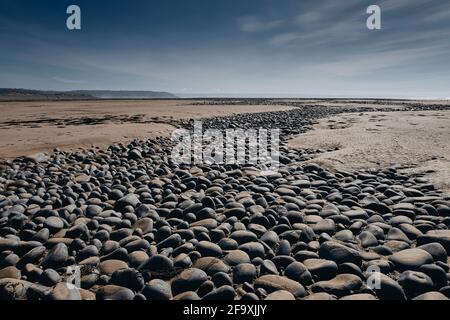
<point>305,48</point>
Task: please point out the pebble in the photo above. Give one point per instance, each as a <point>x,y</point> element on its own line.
<point>320,296</point>
<point>410,259</point>
<point>64,292</point>
<point>244,272</point>
<point>431,295</point>
<point>56,257</point>
<point>415,283</point>
<point>189,280</point>
<point>157,289</point>
<point>242,236</point>
<point>321,269</point>
<point>49,278</point>
<point>236,257</point>
<point>221,278</point>
<point>339,253</point>
<point>209,249</point>
<point>189,295</point>
<point>54,224</point>
<point>268,267</point>
<point>211,265</point>
<point>128,278</point>
<point>253,249</point>
<point>436,273</point>
<point>271,283</point>
<point>297,271</point>
<point>158,264</point>
<point>280,295</point>
<point>113,292</point>
<point>222,293</point>
<point>359,297</point>
<point>436,250</point>
<point>10,272</point>
<point>108,267</point>
<point>439,236</point>
<point>367,239</point>
<point>341,285</point>
<point>387,288</point>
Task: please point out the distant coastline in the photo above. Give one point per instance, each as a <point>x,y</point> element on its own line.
<point>7,94</point>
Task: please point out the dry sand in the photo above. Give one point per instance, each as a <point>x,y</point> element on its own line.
<point>417,142</point>
<point>30,127</point>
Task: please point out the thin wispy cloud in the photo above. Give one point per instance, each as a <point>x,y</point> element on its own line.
<point>257,24</point>
<point>67,81</point>
<point>360,65</point>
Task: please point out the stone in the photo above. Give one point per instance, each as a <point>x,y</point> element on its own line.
<point>341,285</point>
<point>128,278</point>
<point>253,249</point>
<point>327,226</point>
<point>211,265</point>
<point>280,295</point>
<point>272,283</point>
<point>436,273</point>
<point>49,278</point>
<point>410,259</point>
<point>321,269</point>
<point>157,289</point>
<point>54,224</point>
<point>108,267</point>
<point>222,293</point>
<point>320,296</point>
<point>242,236</point>
<point>235,257</point>
<point>387,288</point>
<point>339,253</point>
<point>270,238</point>
<point>158,265</point>
<point>268,267</point>
<point>56,257</point>
<point>113,292</point>
<point>297,271</point>
<point>10,272</point>
<point>209,249</point>
<point>189,295</point>
<point>432,295</point>
<point>359,297</point>
<point>128,200</point>
<point>244,272</point>
<point>189,280</point>
<point>436,250</point>
<point>367,239</point>
<point>415,283</point>
<point>440,236</point>
<point>63,291</point>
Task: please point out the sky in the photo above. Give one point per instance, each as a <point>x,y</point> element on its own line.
<point>276,48</point>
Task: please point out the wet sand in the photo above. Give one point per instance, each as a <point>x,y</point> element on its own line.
<point>30,127</point>
<point>416,142</point>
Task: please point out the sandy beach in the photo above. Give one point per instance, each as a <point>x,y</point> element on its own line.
<point>31,127</point>
<point>416,142</point>
<point>360,185</point>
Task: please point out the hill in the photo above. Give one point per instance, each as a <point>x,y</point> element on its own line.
<point>27,94</point>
